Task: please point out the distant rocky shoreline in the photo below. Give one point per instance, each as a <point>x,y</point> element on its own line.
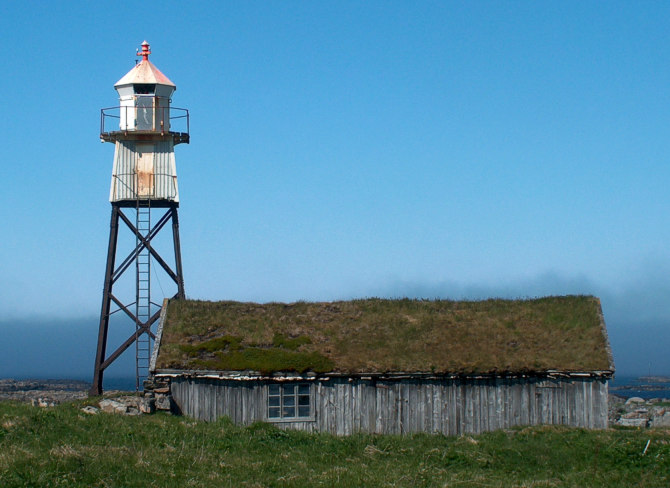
<point>44,393</point>
<point>654,379</point>
<point>625,388</point>
<point>37,384</point>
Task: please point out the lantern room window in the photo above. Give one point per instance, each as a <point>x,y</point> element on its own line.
<point>145,113</point>
<point>292,401</point>
<point>144,89</point>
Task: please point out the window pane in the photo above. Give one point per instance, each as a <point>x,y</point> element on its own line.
<point>289,400</point>
<point>303,400</point>
<point>144,89</point>
<point>289,412</point>
<point>145,113</point>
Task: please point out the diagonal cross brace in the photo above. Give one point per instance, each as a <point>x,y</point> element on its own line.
<point>131,314</point>
<point>131,257</point>
<point>144,328</point>
<point>145,242</point>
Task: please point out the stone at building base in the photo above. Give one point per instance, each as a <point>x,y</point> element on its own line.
<point>634,422</point>
<point>164,402</point>
<point>157,395</point>
<point>148,405</point>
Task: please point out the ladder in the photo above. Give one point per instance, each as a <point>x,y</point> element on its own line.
<point>143,295</point>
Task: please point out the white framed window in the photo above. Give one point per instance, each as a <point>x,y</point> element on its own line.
<point>290,401</point>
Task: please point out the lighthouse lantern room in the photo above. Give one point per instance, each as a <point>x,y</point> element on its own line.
<point>144,128</point>
<point>144,95</point>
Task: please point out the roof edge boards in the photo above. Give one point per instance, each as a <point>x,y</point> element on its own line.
<point>256,376</point>
<point>159,336</point>
<point>603,329</point>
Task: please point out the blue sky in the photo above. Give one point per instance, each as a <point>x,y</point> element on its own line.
<point>348,149</point>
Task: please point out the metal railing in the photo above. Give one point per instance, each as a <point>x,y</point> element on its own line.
<point>145,120</point>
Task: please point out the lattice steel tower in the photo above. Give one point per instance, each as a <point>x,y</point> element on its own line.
<point>144,196</point>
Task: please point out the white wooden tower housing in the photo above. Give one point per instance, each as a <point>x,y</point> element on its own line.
<point>144,128</point>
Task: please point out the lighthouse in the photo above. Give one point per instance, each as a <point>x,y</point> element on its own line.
<point>144,128</point>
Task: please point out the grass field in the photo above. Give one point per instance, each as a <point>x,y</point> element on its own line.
<point>63,446</point>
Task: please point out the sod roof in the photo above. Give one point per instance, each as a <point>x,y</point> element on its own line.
<point>385,336</point>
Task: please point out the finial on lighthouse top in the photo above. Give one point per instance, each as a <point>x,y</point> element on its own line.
<point>145,73</point>
<point>146,50</point>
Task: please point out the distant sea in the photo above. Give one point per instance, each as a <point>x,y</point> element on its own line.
<point>642,386</point>
<point>123,384</point>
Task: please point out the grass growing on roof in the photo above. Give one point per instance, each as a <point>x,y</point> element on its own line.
<point>378,335</point>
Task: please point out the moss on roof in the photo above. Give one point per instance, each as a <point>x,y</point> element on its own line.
<point>381,336</point>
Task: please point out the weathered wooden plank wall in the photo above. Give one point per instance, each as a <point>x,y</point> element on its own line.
<point>450,406</point>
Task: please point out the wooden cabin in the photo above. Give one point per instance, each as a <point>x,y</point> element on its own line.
<point>388,366</point>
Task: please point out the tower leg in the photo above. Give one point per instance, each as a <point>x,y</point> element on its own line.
<point>142,316</point>
<point>96,387</point>
<point>177,254</point>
